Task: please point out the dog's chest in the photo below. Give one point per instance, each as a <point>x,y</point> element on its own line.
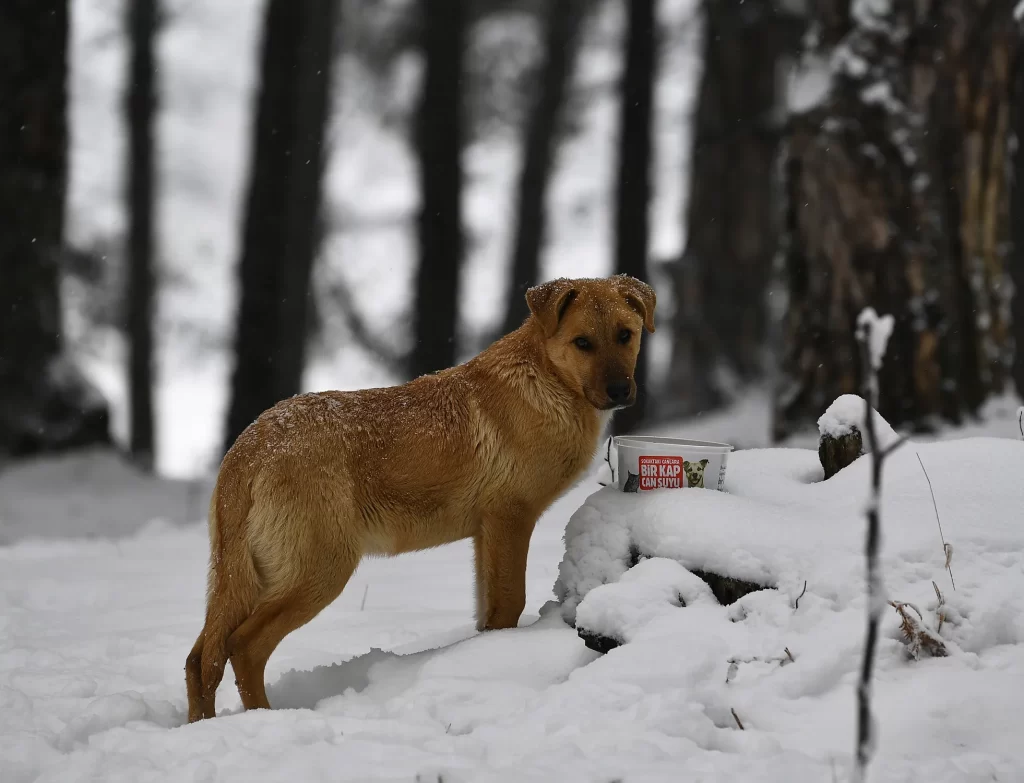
<point>554,457</point>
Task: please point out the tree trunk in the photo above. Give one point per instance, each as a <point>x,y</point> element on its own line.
<point>539,146</point>
<point>141,108</point>
<point>721,281</point>
<point>633,180</point>
<point>972,111</point>
<point>45,403</point>
<point>896,198</point>
<point>439,137</point>
<point>1016,258</point>
<point>283,205</point>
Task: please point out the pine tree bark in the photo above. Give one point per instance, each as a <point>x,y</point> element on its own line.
<point>895,197</point>
<point>633,178</point>
<point>439,140</point>
<point>282,207</point>
<point>720,282</point>
<point>539,147</point>
<point>140,108</point>
<point>45,402</point>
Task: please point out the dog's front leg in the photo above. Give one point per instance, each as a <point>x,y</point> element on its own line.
<point>501,548</point>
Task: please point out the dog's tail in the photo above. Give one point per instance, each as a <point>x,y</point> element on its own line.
<point>233,588</point>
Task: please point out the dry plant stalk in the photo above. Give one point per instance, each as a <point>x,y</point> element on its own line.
<point>916,635</point>
<point>940,612</point>
<point>947,548</point>
<point>734,663</point>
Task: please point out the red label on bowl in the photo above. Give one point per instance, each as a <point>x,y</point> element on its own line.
<point>661,472</point>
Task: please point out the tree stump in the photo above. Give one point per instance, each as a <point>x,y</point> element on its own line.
<point>836,452</point>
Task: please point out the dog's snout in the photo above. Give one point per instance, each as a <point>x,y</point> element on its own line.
<point>618,391</point>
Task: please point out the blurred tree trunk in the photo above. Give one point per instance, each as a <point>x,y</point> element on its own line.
<point>45,402</point>
<point>633,180</point>
<point>721,281</point>
<point>896,197</point>
<point>1016,259</point>
<point>141,107</point>
<point>282,208</point>
<point>539,147</point>
<point>439,138</point>
<point>979,43</point>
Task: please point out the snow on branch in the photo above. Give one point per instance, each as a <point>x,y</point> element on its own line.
<point>873,334</point>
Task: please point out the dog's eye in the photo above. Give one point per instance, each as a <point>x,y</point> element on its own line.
<point>624,336</point>
<point>582,343</point>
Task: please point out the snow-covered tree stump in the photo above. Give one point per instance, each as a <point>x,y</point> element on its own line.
<point>840,430</point>
<point>838,451</point>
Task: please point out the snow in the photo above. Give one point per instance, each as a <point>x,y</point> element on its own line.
<point>392,681</point>
<point>876,331</point>
<point>791,671</point>
<point>848,413</point>
<point>809,84</point>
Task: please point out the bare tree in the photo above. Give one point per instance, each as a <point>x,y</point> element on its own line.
<point>633,179</point>
<point>721,280</point>
<point>282,208</point>
<point>45,403</point>
<point>539,146</point>
<point>439,138</point>
<point>140,106</point>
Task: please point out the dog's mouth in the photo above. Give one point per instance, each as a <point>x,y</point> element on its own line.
<point>608,405</point>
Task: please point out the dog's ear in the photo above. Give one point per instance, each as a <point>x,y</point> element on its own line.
<point>639,296</point>
<point>703,463</point>
<point>549,301</point>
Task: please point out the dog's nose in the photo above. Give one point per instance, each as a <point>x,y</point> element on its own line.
<point>618,391</point>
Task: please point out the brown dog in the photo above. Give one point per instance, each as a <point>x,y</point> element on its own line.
<point>476,451</point>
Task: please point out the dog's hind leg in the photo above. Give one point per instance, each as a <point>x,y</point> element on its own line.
<point>252,644</point>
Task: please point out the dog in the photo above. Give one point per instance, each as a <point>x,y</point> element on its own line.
<point>694,473</point>
<point>476,451</point>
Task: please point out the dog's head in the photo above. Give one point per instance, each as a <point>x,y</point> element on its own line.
<point>592,331</point>
<point>694,471</point>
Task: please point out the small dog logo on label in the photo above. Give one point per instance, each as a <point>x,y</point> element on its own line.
<point>661,473</point>
<point>695,473</point>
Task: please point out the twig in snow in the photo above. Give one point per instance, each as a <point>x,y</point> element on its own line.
<point>737,718</point>
<point>365,591</point>
<point>939,613</point>
<point>873,336</point>
<point>734,663</point>
<point>947,549</point>
<point>796,604</point>
<point>1020,421</point>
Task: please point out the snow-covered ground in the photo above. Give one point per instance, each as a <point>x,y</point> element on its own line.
<point>786,659</point>
<point>391,682</point>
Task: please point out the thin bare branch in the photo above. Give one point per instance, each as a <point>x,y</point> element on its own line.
<point>893,446</point>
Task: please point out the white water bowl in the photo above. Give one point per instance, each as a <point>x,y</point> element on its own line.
<point>647,462</point>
